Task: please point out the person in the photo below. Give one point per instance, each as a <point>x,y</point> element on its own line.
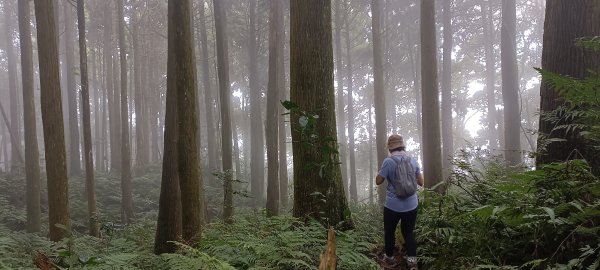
<point>399,209</point>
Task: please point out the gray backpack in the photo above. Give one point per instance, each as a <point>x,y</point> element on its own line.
<point>405,183</point>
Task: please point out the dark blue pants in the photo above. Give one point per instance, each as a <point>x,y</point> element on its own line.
<point>407,226</point>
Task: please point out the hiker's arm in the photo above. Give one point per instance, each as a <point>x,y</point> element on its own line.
<point>420,179</point>
<point>379,180</point>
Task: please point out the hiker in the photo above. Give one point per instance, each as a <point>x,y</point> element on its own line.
<point>401,199</point>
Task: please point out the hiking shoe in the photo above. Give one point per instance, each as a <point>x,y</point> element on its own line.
<point>389,262</point>
<point>412,263</point>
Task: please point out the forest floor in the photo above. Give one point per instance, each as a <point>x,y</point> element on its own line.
<point>378,253</point>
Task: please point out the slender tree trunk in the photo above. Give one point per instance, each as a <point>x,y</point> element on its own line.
<point>257,164</point>
<point>6,157</point>
<point>432,154</point>
<point>371,169</point>
<point>74,151</point>
<point>14,124</point>
<point>283,161</point>
<point>311,73</point>
<point>350,78</point>
<point>272,128</point>
<point>379,93</point>
<point>341,116</point>
<point>490,73</point>
<point>141,130</point>
<point>87,130</point>
<point>208,97</point>
<point>447,137</point>
<point>113,113</point>
<point>415,60</point>
<point>236,146</point>
<point>126,185</point>
<point>510,84</point>
<point>32,161</point>
<point>225,98</point>
<point>95,86</point>
<point>54,141</point>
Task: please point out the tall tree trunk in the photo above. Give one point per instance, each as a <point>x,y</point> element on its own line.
<point>350,77</point>
<point>113,113</point>
<point>126,185</point>
<point>447,137</point>
<point>510,84</point>
<point>209,104</point>
<point>274,87</point>
<point>283,161</point>
<point>371,178</point>
<point>379,93</point>
<point>565,22</point>
<point>182,72</point>
<point>51,103</point>
<point>432,154</point>
<point>87,129</point>
<point>95,89</point>
<point>74,151</point>
<point>415,59</point>
<point>236,146</point>
<point>169,224</point>
<point>32,156</point>
<point>311,73</point>
<point>257,159</point>
<point>341,116</point>
<point>116,103</point>
<point>490,74</point>
<point>141,142</point>
<point>225,98</point>
<point>15,161</point>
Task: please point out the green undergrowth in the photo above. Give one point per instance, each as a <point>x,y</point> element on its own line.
<point>251,242</point>
<point>494,218</point>
<point>491,218</point>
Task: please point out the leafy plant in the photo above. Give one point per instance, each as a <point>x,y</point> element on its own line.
<point>494,219</point>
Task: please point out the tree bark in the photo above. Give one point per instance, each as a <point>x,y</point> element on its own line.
<point>14,125</point>
<point>126,184</point>
<point>52,119</point>
<point>447,136</point>
<point>257,159</point>
<point>318,190</point>
<point>88,157</point>
<point>209,101</point>
<point>225,98</point>
<point>141,139</point>
<point>113,112</point>
<point>283,95</point>
<point>274,86</point>
<point>490,74</point>
<point>169,224</point>
<point>565,22</point>
<point>182,72</point>
<point>350,77</point>
<point>74,151</point>
<point>32,156</point>
<point>341,116</point>
<point>432,154</point>
<point>510,84</point>
<point>371,169</point>
<point>379,93</point>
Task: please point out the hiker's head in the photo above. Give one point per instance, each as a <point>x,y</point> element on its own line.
<point>396,143</point>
